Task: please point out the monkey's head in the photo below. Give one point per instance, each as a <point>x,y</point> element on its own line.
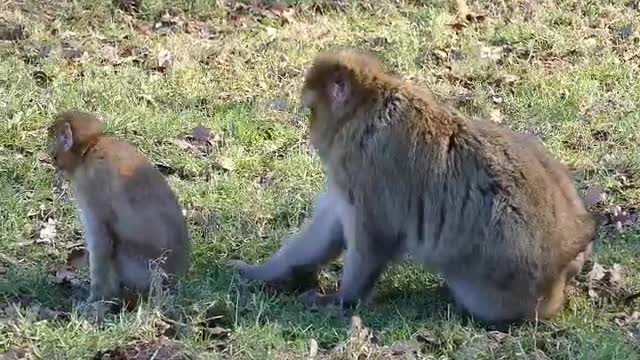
<point>69,137</point>
<point>337,83</point>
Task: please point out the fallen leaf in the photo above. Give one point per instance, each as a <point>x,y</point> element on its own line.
<point>168,24</point>
<point>217,317</point>
<point>165,169</point>
<point>313,348</point>
<point>72,51</point>
<point>537,354</point>
<point>200,139</point>
<point>41,78</point>
<point>136,55</point>
<point>47,314</point>
<point>265,180</point>
<point>605,283</point>
<point>129,6</point>
<point>165,60</point>
<point>78,258</point>
<point>457,26</point>
<point>9,260</point>
<point>225,163</point>
<point>34,54</point>
<point>624,33</point>
<point>200,28</point>
<point>601,135</point>
<point>492,53</point>
<point>206,218</point>
<point>508,79</point>
<point>496,116</point>
<point>66,276</point>
<point>427,338</point>
<point>621,217</point>
<point>594,195</point>
<point>631,324</point>
<point>48,233</point>
<point>465,15</point>
<point>11,30</point>
<point>109,54</point>
<point>15,354</point>
<point>162,348</point>
<point>283,11</point>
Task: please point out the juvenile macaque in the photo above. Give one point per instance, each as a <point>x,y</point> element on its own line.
<point>486,208</point>
<point>131,217</point>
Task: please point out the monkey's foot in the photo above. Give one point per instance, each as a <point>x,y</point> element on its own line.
<point>95,311</point>
<point>248,271</point>
<point>313,299</point>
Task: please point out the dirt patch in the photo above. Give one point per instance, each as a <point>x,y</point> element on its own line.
<point>162,348</point>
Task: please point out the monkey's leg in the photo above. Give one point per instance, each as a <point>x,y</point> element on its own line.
<point>554,298</point>
<point>320,240</point>
<point>575,267</point>
<point>105,283</point>
<point>134,272</point>
<point>363,265</point>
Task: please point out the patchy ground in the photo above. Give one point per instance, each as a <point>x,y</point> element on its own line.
<point>208,90</point>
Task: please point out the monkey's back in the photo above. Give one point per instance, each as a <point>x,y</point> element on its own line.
<point>468,198</point>
<point>529,220</point>
<point>146,216</point>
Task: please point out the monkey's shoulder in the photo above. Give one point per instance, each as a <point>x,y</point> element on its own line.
<point>118,155</point>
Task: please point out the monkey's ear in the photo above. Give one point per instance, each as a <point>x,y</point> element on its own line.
<point>65,137</point>
<point>339,90</point>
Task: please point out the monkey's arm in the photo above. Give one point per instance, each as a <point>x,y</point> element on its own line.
<point>320,240</point>
<point>105,283</point>
<point>363,264</point>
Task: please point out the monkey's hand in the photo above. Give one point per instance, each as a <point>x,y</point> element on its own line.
<point>95,311</point>
<point>313,299</point>
<point>251,272</point>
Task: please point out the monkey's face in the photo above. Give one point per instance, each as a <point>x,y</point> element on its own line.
<point>328,100</point>
<point>58,145</point>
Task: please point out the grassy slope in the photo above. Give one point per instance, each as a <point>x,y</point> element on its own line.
<point>576,75</point>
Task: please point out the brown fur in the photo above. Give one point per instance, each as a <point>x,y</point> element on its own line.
<point>129,213</point>
<point>486,208</point>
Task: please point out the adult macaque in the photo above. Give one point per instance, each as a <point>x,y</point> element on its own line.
<point>484,207</point>
<point>130,215</point>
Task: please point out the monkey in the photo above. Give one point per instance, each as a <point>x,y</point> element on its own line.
<point>131,218</point>
<point>486,208</point>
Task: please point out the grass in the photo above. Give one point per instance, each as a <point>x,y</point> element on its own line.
<point>565,70</point>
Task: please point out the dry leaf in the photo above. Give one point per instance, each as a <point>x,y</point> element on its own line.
<point>200,139</point>
<point>109,54</point>
<point>313,348</point>
<point>165,59</point>
<point>225,163</point>
<point>200,28</point>
<point>41,78</point>
<point>66,276</point>
<point>78,258</point>
<point>594,195</point>
<point>496,116</point>
<point>508,79</point>
<point>71,51</point>
<point>622,217</point>
<point>605,283</point>
<point>168,24</point>
<point>15,354</point>
<point>457,26</point>
<point>284,12</point>
<point>162,348</point>
<point>129,6</point>
<point>492,53</point>
<point>48,233</point>
<point>631,324</point>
